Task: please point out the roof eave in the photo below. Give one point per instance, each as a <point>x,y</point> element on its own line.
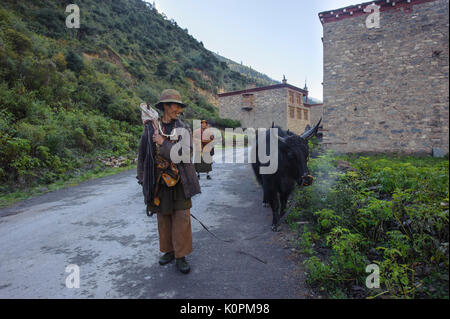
<point>264,88</point>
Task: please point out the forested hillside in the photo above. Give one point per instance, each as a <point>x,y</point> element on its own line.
<point>247,71</point>
<point>69,97</point>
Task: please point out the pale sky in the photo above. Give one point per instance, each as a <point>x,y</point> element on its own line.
<point>273,37</point>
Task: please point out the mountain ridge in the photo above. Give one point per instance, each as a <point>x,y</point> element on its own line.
<point>247,71</point>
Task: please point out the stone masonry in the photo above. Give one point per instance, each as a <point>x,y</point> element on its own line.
<point>316,113</point>
<point>283,104</point>
<point>386,89</point>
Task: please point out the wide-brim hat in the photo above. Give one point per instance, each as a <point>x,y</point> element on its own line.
<point>169,96</point>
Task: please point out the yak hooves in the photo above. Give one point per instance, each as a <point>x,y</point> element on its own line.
<point>275,228</point>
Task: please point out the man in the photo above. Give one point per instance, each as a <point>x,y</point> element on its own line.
<point>167,186</point>
<point>202,138</point>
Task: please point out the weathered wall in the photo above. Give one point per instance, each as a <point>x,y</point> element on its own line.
<point>387,89</point>
<point>296,124</point>
<point>269,105</point>
<point>316,113</point>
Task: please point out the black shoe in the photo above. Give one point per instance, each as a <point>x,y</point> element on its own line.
<point>208,177</point>
<point>182,265</point>
<point>166,258</point>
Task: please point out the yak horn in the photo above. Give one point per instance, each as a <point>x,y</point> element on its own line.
<point>310,133</point>
<point>281,139</point>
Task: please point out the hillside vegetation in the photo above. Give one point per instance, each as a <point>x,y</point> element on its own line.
<point>247,71</point>
<point>69,97</point>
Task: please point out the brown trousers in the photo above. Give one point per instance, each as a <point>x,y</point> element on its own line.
<point>175,233</point>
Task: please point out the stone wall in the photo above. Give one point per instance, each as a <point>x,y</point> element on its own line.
<point>316,113</point>
<point>387,89</point>
<point>269,105</point>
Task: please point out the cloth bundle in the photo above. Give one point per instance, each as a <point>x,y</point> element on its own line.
<point>148,114</point>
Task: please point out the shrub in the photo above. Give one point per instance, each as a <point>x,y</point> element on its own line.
<point>52,20</point>
<point>224,123</point>
<point>327,219</point>
<point>20,42</point>
<point>60,61</point>
<point>392,211</point>
<point>162,69</point>
<point>74,62</point>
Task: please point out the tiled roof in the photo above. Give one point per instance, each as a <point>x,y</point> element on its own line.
<point>263,88</point>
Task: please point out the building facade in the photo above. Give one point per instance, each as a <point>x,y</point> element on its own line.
<point>283,104</point>
<point>386,86</point>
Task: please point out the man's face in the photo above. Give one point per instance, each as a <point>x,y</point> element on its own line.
<point>204,125</point>
<point>173,110</point>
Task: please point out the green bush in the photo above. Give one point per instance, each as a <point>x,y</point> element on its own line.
<point>51,21</point>
<point>225,123</point>
<point>74,62</point>
<point>392,211</point>
<point>19,42</point>
<point>306,242</point>
<point>327,219</point>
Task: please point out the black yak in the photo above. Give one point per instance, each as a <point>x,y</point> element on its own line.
<point>293,155</point>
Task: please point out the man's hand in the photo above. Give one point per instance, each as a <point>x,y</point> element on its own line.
<point>158,139</point>
<point>211,138</point>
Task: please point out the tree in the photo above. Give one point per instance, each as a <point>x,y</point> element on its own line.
<point>53,21</point>
<point>60,61</point>
<point>20,42</point>
<point>74,62</point>
<point>162,69</point>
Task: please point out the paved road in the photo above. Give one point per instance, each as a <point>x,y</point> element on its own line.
<point>101,226</point>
